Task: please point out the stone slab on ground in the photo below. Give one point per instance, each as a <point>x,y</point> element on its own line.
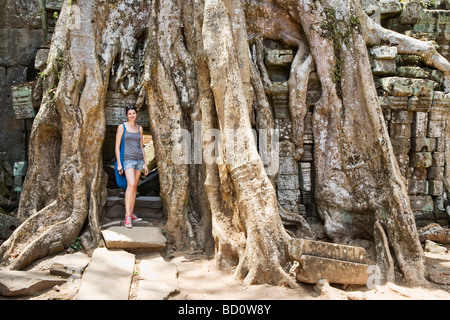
<point>299,247</point>
<point>25,283</point>
<point>108,276</point>
<point>158,279</point>
<point>134,238</point>
<point>312,269</point>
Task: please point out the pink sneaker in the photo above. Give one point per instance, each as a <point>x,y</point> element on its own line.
<point>135,218</point>
<point>127,223</point>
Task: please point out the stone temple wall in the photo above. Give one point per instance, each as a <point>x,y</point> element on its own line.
<point>413,103</point>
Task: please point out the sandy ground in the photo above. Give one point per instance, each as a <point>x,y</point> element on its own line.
<point>199,279</point>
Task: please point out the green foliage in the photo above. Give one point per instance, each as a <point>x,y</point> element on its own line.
<point>338,31</point>
<point>76,244</point>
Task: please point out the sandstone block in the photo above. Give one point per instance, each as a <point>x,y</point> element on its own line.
<point>401,145</point>
<point>383,67</point>
<point>435,173</point>
<point>417,173</point>
<point>436,129</point>
<point>383,52</point>
<point>417,187</point>
<point>436,187</point>
<point>305,175</point>
<point>438,159</point>
<point>157,279</point>
<point>419,125</point>
<point>420,159</point>
<point>288,166</point>
<point>422,203</point>
<point>288,182</point>
<point>24,283</point>
<point>422,104</point>
<point>400,130</point>
<point>312,269</point>
<point>421,144</point>
<point>134,238</point>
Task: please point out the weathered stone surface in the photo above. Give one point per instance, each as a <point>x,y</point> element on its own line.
<point>145,207</point>
<point>312,269</point>
<point>157,279</point>
<point>24,283</point>
<point>383,52</point>
<point>301,247</point>
<point>134,238</point>
<point>114,116</point>
<point>420,125</point>
<point>108,276</point>
<point>400,130</point>
<point>41,59</point>
<point>436,129</point>
<point>420,159</point>
<point>413,72</point>
<point>417,173</point>
<point>401,116</point>
<point>383,67</point>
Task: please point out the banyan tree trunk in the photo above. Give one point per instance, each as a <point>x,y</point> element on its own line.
<point>205,85</point>
<point>65,188</point>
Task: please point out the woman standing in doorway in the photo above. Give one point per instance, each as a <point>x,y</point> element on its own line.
<point>133,160</point>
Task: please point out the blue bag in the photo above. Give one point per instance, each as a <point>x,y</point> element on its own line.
<point>121,180</point>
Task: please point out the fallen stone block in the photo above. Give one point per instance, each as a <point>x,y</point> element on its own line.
<point>108,276</point>
<point>384,52</point>
<point>421,203</point>
<point>311,269</point>
<point>300,247</point>
<point>436,187</point>
<point>433,247</point>
<point>422,144</point>
<point>417,187</point>
<point>435,173</point>
<point>401,116</point>
<point>134,238</point>
<point>24,283</point>
<point>420,159</point>
<point>69,265</point>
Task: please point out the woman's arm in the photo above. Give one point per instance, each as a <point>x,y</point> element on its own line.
<point>117,147</point>
<point>143,150</point>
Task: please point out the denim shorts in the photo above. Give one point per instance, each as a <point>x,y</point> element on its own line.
<point>135,164</point>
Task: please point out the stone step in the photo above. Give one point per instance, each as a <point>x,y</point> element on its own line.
<point>157,279</point>
<point>108,276</point>
<point>145,207</point>
<point>134,238</point>
<point>25,283</point>
<point>299,247</point>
